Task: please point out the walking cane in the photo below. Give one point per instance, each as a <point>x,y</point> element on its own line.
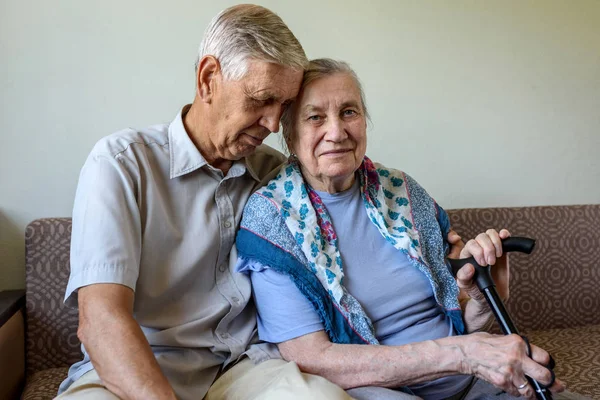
<point>485,283</point>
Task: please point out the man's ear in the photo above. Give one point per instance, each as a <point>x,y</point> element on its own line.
<point>209,71</point>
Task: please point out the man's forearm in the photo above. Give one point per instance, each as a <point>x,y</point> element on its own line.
<point>121,354</point>
<point>388,366</point>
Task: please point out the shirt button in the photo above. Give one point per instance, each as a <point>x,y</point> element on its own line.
<point>222,268</point>
<point>227,224</point>
<point>224,335</point>
<point>235,300</point>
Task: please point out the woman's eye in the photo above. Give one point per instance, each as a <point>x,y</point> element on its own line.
<point>314,118</point>
<point>348,113</point>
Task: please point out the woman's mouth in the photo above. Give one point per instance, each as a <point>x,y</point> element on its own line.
<point>336,153</point>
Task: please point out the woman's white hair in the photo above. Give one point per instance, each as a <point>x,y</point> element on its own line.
<point>319,68</point>
<point>245,32</point>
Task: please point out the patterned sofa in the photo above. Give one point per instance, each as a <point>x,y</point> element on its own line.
<point>555,296</point>
<point>555,291</point>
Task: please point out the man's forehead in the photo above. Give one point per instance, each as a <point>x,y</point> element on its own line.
<point>268,68</point>
<point>272,79</point>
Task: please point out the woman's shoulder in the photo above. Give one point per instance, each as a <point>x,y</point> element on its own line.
<point>393,177</point>
<point>398,182</point>
<point>385,171</point>
<point>263,208</point>
<point>277,191</point>
<point>260,207</point>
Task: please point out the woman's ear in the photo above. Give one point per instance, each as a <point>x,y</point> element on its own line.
<point>209,72</point>
<point>288,145</point>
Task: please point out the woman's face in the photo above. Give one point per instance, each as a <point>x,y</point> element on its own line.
<point>330,132</point>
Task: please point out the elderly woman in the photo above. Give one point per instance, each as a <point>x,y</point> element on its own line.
<point>344,253</point>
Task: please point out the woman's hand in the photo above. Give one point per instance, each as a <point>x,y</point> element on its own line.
<point>486,248</point>
<point>503,361</point>
<point>456,244</point>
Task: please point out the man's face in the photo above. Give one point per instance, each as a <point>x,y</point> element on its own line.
<point>248,110</point>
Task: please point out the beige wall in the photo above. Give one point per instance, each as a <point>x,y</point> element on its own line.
<point>486,103</point>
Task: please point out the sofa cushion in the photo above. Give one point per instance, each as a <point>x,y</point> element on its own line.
<point>577,355</point>
<point>43,385</point>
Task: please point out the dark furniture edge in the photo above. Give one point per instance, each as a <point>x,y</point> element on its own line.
<point>11,301</point>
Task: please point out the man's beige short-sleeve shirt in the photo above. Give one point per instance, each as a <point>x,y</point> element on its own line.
<point>151,214</point>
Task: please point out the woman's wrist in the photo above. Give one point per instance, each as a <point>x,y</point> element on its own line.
<point>452,355</point>
<point>477,316</point>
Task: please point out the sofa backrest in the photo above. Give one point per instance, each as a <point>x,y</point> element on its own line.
<point>558,285</point>
<point>51,335</point>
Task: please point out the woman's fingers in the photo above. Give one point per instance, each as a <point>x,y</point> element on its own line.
<point>536,368</point>
<point>465,275</point>
<point>539,355</point>
<point>503,361</point>
<point>486,247</point>
<point>559,386</point>
<point>496,241</point>
<point>504,234</point>
<point>489,250</point>
<point>454,238</point>
<point>523,387</point>
<point>481,248</point>
<point>464,280</point>
<point>456,244</point>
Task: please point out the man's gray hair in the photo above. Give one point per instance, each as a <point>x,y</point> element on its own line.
<point>320,68</point>
<point>245,32</point>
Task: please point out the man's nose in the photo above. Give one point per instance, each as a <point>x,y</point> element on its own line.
<point>271,117</point>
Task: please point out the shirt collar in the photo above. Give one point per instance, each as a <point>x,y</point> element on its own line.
<point>251,169</point>
<point>185,156</point>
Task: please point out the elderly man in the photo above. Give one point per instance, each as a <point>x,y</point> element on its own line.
<point>161,314</point>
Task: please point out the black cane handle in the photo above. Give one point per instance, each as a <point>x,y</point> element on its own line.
<point>520,244</point>
<point>483,278</point>
<point>485,283</point>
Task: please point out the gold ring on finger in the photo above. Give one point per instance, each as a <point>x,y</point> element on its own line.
<point>523,386</point>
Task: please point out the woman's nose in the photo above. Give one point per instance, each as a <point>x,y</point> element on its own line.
<point>336,131</point>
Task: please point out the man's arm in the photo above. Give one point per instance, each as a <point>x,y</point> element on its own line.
<point>116,344</point>
<point>106,246</point>
<point>500,360</point>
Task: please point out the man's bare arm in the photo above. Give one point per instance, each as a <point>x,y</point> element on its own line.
<point>116,344</point>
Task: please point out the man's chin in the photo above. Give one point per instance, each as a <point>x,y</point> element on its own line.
<point>245,151</point>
